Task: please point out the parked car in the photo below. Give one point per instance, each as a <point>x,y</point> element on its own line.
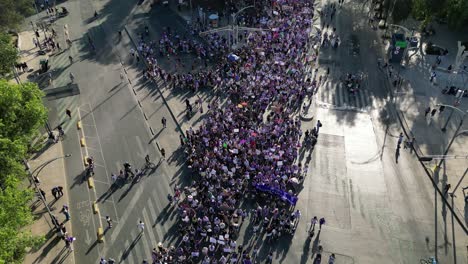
<point>432,49</point>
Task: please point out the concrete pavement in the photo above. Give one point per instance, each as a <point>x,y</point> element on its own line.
<point>360,222</point>
<point>48,165</point>
<point>51,174</point>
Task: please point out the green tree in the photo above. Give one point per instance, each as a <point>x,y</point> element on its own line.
<point>14,215</point>
<point>457,14</point>
<point>21,110</point>
<point>13,13</point>
<point>8,54</point>
<point>402,10</point>
<point>21,114</point>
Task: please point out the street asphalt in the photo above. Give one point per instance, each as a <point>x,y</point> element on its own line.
<point>377,211</point>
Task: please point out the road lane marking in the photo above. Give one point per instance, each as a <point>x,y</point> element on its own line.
<point>104,161</point>
<point>152,212</point>
<point>88,191</point>
<point>159,231</point>
<point>146,247</point>
<point>150,231</point>
<point>136,196</point>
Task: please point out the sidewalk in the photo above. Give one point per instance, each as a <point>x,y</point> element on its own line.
<point>50,173</point>
<point>29,54</point>
<point>416,94</point>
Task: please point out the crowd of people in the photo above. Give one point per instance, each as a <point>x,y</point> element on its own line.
<point>248,147</point>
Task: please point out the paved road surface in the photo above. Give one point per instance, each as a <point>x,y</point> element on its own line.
<point>376,211</point>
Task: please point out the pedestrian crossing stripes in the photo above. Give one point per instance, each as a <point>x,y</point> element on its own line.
<point>149,222</point>
<point>136,248</point>
<point>60,64</point>
<point>337,96</point>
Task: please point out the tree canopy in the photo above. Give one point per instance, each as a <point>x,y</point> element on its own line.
<point>13,13</point>
<point>21,114</point>
<point>454,12</point>
<point>8,54</point>
<point>21,110</point>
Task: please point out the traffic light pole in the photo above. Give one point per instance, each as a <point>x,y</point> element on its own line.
<point>448,119</point>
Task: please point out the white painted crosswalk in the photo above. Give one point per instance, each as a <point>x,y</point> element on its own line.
<point>336,96</point>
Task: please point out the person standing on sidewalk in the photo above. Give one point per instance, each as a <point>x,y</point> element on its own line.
<point>321,222</point>
<point>66,212</point>
<point>68,112</point>
<point>55,193</point>
<point>400,138</point>
<point>319,125</point>
<point>164,122</point>
<point>313,221</point>
<point>59,191</point>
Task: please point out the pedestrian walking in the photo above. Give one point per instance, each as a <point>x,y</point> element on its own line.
<point>427,111</point>
<point>433,75</point>
<point>321,222</point>
<point>313,222</point>
<point>164,121</point>
<point>54,193</point>
<point>109,221</point>
<point>319,125</point>
<point>410,144</point>
<point>62,230</point>
<point>331,259</point>
<point>66,212</point>
<point>182,141</point>
<point>59,190</point>
<point>270,258</point>
<point>141,226</point>
<point>55,221</point>
<point>69,242</point>
<point>400,138</point>
<point>50,78</point>
<point>163,154</point>
<point>121,77</point>
<point>68,112</point>
<point>36,43</point>
<point>42,193</point>
<point>113,178</point>
<point>433,112</point>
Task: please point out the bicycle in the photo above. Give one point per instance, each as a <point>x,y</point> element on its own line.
<point>61,135</point>
<point>430,260</point>
<point>148,163</point>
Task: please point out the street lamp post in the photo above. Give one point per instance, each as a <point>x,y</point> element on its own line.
<point>36,187</point>
<point>453,108</point>
<point>234,23</point>
<point>452,195</point>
